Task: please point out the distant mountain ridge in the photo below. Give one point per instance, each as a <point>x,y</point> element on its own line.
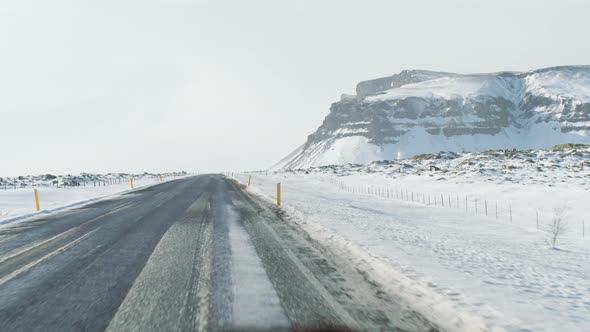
<point>419,111</point>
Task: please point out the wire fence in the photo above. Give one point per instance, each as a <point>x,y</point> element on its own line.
<point>496,210</point>
<point>539,218</point>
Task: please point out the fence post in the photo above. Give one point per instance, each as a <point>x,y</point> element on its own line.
<point>442,200</point>
<point>510,208</point>
<point>486,206</point>
<point>37,205</point>
<point>496,210</point>
<point>476,206</point>
<point>279,194</point>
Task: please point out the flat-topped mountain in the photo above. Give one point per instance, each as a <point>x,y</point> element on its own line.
<point>417,111</point>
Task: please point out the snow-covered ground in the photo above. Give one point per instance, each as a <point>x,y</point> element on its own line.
<point>499,268</point>
<point>18,202</point>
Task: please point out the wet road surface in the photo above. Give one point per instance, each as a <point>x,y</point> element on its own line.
<point>197,253</point>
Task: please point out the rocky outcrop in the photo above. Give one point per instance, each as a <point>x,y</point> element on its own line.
<point>417,112</point>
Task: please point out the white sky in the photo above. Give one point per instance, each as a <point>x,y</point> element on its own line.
<point>165,85</point>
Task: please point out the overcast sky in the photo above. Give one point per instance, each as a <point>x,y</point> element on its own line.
<point>102,86</point>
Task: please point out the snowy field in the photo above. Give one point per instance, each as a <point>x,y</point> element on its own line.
<point>498,268</point>
<point>17,204</point>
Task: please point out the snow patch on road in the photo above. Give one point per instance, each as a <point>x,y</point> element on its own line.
<point>256,302</point>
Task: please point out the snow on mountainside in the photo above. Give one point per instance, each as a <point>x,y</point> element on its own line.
<point>416,112</point>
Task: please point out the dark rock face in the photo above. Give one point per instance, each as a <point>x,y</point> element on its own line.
<point>451,106</point>
<point>385,121</point>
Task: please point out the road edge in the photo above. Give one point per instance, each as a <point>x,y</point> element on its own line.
<point>418,297</point>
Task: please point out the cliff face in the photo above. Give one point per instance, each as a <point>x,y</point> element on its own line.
<point>370,87</point>
<point>417,112</point>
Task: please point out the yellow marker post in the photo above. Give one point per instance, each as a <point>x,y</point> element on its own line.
<point>131,182</point>
<point>160,178</point>
<point>249,180</point>
<point>37,200</point>
<point>279,194</point>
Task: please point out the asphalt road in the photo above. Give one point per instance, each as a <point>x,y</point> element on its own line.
<point>192,254</point>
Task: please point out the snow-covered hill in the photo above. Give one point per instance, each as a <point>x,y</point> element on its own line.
<point>417,112</point>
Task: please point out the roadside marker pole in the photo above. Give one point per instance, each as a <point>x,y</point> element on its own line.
<point>37,200</point>
<point>279,194</point>
<point>131,182</point>
<point>249,180</point>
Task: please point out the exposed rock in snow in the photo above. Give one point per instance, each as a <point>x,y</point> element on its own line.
<point>417,112</point>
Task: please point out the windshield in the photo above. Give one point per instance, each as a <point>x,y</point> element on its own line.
<point>296,165</point>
